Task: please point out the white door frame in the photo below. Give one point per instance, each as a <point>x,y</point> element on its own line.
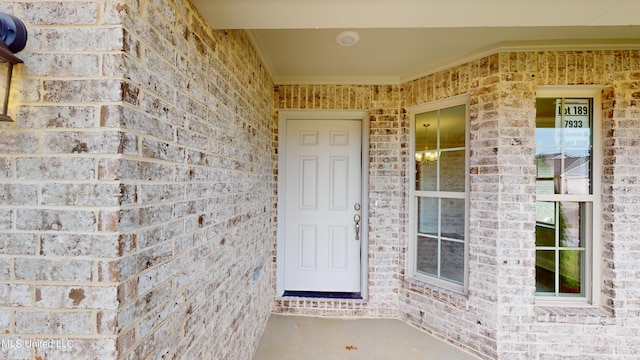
<point>285,115</point>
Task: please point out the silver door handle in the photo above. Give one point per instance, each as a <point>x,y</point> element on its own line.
<point>356,218</point>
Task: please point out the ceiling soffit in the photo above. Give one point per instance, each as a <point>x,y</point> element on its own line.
<point>327,14</point>
<point>403,40</point>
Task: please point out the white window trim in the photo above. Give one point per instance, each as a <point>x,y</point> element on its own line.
<point>413,194</point>
<point>593,261</point>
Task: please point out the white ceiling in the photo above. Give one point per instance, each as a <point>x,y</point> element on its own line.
<point>401,40</point>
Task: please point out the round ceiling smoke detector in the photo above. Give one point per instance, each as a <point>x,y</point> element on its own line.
<point>348,38</point>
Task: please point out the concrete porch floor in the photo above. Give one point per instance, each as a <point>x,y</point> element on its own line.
<point>298,337</point>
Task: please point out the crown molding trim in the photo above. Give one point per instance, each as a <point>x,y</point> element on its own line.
<point>530,46</point>
<point>336,80</point>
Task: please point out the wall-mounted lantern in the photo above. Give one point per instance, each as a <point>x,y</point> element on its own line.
<point>13,38</point>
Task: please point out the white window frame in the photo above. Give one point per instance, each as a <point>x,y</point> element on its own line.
<point>593,245</point>
<point>415,194</point>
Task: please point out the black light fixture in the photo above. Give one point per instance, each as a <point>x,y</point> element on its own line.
<point>13,38</point>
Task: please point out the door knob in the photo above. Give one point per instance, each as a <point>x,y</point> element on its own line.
<point>356,219</point>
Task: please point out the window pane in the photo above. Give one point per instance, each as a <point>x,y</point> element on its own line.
<point>553,243</point>
<point>564,173</point>
<point>563,146</point>
<point>452,261</point>
<point>452,221</point>
<point>452,171</point>
<point>545,235</point>
<point>452,127</point>
<point>426,151</point>
<point>427,130</point>
<point>570,223</point>
<point>576,174</point>
<point>426,176</point>
<point>545,271</point>
<point>549,139</point>
<point>428,216</point>
<point>571,271</point>
<point>576,140</point>
<point>545,187</point>
<point>427,255</point>
<point>546,212</point>
<point>545,176</point>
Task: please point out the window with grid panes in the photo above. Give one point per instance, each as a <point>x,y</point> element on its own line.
<point>567,195</point>
<point>440,194</point>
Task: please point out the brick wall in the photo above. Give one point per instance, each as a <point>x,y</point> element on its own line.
<point>385,180</point>
<point>498,318</point>
<point>135,186</point>
<point>135,221</point>
<point>57,211</point>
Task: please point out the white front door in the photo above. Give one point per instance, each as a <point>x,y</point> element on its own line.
<point>322,184</point>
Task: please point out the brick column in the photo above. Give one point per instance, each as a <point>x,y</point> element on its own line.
<point>58,209</point>
<point>502,247</point>
<point>484,215</point>
<point>515,242</point>
<point>621,190</point>
<point>387,198</point>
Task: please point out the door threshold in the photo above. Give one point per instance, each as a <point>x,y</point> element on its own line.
<point>323,294</point>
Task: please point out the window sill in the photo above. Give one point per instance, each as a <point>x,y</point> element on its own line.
<point>574,315</point>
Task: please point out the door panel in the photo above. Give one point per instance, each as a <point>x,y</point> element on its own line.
<point>338,248</point>
<point>308,183</point>
<point>339,176</point>
<point>308,246</point>
<point>322,185</point>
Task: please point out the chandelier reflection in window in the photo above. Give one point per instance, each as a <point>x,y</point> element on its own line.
<point>426,156</point>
